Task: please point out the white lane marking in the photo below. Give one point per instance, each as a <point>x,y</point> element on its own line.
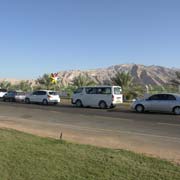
<point>169,124</point>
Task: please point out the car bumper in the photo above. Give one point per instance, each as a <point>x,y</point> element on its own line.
<point>54,100</point>
<point>72,102</point>
<point>116,102</point>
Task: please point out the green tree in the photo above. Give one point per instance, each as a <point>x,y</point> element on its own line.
<point>162,89</point>
<point>24,86</point>
<point>176,81</point>
<point>5,85</point>
<point>68,89</point>
<point>129,88</point>
<point>44,82</point>
<point>83,80</point>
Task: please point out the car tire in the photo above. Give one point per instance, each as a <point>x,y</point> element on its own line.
<point>139,108</point>
<point>55,103</point>
<point>79,103</point>
<point>13,100</point>
<point>102,105</point>
<point>27,101</point>
<point>112,106</point>
<point>45,102</point>
<point>176,110</point>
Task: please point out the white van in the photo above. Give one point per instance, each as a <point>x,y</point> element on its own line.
<point>98,96</point>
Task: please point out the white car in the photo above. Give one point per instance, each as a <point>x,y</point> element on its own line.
<point>97,96</point>
<point>20,96</point>
<point>2,92</point>
<point>43,96</point>
<point>14,96</point>
<point>167,102</point>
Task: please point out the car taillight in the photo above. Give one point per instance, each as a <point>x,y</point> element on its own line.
<point>112,97</point>
<point>49,96</point>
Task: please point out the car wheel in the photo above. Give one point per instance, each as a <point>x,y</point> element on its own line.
<point>13,100</point>
<point>139,108</point>
<point>112,106</point>
<point>176,110</point>
<point>27,101</point>
<point>79,103</point>
<point>55,103</point>
<point>102,105</point>
<point>45,102</point>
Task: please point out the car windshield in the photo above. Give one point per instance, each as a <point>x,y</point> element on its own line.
<point>79,90</point>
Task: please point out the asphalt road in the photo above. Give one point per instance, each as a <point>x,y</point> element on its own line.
<point>151,133</point>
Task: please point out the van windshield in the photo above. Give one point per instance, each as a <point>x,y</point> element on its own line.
<point>117,90</point>
<point>79,90</point>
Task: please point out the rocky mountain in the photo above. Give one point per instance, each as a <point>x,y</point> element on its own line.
<point>146,75</point>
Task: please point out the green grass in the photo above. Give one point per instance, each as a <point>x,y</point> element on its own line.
<point>24,156</point>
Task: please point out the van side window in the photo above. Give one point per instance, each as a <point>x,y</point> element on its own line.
<point>91,90</point>
<point>79,90</point>
<point>104,90</point>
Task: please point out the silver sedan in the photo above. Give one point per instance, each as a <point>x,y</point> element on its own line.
<point>158,102</point>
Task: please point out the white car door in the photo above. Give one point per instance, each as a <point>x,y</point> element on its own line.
<point>159,102</point>
<point>104,94</point>
<point>41,96</point>
<point>153,103</point>
<point>89,97</point>
<point>169,102</point>
<point>33,96</point>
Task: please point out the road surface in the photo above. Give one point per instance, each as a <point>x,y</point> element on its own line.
<point>150,133</point>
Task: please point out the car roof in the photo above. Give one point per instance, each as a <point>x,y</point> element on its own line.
<point>98,86</point>
<point>47,90</point>
<point>174,94</point>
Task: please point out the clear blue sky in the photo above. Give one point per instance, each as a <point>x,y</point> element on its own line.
<point>38,36</point>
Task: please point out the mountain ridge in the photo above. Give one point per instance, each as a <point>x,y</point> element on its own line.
<point>142,74</point>
<point>146,75</point>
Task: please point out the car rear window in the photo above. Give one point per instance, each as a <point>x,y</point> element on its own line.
<point>117,90</point>
<point>20,93</point>
<point>3,90</point>
<point>53,93</point>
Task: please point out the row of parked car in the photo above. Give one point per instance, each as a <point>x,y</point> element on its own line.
<point>99,96</point>
<point>42,96</point>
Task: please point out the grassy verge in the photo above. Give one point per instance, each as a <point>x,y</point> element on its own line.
<point>24,156</point>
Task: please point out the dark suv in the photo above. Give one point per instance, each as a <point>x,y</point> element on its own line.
<point>10,96</point>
